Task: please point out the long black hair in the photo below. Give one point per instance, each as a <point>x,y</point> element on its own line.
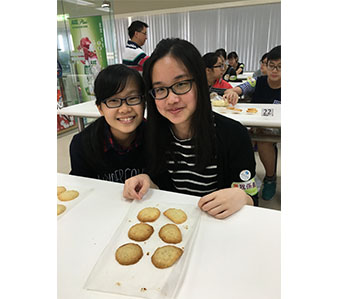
<point>110,81</point>
<point>158,127</point>
<point>210,59</point>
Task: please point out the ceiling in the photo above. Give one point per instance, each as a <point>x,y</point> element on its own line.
<point>79,8</point>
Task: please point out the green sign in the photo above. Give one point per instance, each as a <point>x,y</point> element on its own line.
<point>88,39</point>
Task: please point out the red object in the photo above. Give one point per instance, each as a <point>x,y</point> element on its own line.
<point>84,46</point>
<point>63,121</point>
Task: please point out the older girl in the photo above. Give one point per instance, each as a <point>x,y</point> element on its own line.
<point>192,150</point>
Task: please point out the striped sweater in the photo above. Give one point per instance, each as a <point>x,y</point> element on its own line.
<point>133,56</point>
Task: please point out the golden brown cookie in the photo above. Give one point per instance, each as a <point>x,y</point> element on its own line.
<point>148,214</point>
<point>166,256</point>
<point>128,254</point>
<point>68,195</point>
<point>176,215</point>
<point>140,232</point>
<point>60,189</point>
<point>61,209</point>
<point>170,233</point>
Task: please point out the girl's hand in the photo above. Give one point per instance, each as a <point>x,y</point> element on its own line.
<point>137,186</point>
<point>225,202</point>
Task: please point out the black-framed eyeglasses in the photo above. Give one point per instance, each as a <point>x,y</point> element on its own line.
<point>222,66</point>
<point>271,67</point>
<point>130,101</point>
<point>178,88</point>
<point>145,33</point>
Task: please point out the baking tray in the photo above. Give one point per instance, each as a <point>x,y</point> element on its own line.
<point>143,279</point>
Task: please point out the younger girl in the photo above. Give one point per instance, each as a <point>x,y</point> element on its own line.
<point>192,150</point>
<point>111,148</point>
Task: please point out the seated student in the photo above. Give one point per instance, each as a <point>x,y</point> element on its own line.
<point>266,89</point>
<point>194,150</point>
<point>111,148</point>
<point>263,67</point>
<point>234,68</point>
<point>247,87</point>
<point>214,70</point>
<point>223,55</point>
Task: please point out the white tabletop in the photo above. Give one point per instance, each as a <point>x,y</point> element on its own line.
<point>235,84</point>
<point>255,120</point>
<point>237,257</point>
<point>86,109</point>
<point>245,75</point>
<point>89,109</point>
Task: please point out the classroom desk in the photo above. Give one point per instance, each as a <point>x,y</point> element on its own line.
<point>235,84</point>
<point>245,75</point>
<point>79,111</point>
<point>256,120</point>
<point>89,109</point>
<point>237,257</point>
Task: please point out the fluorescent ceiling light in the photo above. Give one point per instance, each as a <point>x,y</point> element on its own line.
<point>62,17</point>
<point>106,9</point>
<point>105,4</point>
<point>80,2</point>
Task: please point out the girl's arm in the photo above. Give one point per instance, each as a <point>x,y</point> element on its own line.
<point>225,202</point>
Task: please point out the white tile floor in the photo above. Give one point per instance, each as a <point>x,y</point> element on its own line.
<point>63,166</point>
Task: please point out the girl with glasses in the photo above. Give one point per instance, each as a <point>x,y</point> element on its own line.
<point>215,68</point>
<point>192,150</point>
<point>111,148</point>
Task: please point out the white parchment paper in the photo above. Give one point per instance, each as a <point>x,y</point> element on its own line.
<point>143,279</point>
<point>83,192</point>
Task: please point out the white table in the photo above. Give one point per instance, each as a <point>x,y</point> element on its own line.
<point>245,75</point>
<point>235,84</point>
<point>237,257</point>
<point>89,109</point>
<point>79,111</point>
<point>256,120</point>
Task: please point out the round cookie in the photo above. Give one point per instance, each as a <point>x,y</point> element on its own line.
<point>170,233</point>
<point>60,189</point>
<point>176,215</point>
<point>128,254</point>
<point>140,232</point>
<point>148,214</point>
<point>61,209</point>
<point>68,195</point>
<point>166,256</point>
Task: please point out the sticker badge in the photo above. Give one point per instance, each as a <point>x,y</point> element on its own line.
<point>245,175</point>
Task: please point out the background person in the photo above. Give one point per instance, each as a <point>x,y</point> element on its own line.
<point>266,90</point>
<point>215,67</point>
<point>263,67</point>
<point>133,56</point>
<point>223,55</point>
<point>194,150</point>
<point>111,148</point>
<point>234,67</point>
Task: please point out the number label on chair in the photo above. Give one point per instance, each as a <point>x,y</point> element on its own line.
<point>267,112</point>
